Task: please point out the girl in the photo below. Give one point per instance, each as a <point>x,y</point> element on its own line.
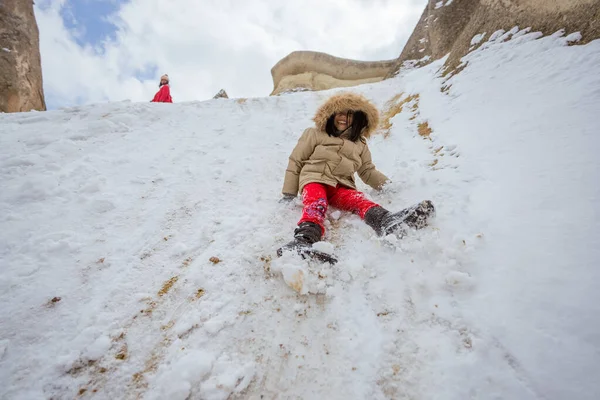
<point>322,167</point>
<point>164,93</point>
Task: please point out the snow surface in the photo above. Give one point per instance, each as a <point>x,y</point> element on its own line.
<point>496,35</point>
<point>573,37</point>
<point>477,38</point>
<point>441,4</point>
<point>137,245</point>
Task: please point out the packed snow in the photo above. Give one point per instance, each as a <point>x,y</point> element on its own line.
<point>441,4</point>
<point>477,39</point>
<point>138,240</point>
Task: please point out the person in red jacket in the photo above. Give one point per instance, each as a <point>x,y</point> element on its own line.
<point>164,93</point>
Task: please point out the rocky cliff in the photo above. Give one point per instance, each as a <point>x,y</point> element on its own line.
<point>448,26</point>
<point>20,65</point>
<point>309,70</point>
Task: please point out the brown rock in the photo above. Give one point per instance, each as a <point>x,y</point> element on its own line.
<point>311,70</point>
<point>20,65</point>
<point>448,28</point>
<point>445,27</point>
<point>222,94</point>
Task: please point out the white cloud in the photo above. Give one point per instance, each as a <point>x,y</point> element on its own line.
<point>211,44</point>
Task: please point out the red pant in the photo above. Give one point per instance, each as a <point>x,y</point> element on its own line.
<point>317,196</point>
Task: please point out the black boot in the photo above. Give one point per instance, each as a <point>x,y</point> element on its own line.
<point>305,235</point>
<point>385,222</point>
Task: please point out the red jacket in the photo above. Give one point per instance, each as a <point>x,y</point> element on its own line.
<point>163,95</point>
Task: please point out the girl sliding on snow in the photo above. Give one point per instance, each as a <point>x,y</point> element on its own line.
<point>322,167</point>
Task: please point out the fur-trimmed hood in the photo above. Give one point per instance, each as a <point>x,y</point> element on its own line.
<point>347,101</point>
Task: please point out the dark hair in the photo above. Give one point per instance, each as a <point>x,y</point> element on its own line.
<point>359,122</point>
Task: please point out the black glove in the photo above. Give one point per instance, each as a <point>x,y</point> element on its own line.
<point>287,198</point>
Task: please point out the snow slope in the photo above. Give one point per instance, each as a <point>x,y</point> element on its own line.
<point>137,239</point>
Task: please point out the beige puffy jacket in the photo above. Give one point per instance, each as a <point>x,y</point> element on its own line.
<point>330,160</point>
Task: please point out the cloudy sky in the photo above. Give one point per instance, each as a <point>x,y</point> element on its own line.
<point>110,50</point>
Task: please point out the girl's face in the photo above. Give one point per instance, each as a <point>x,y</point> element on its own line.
<point>342,120</point>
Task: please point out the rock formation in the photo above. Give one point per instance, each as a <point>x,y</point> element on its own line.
<point>445,27</point>
<point>309,70</point>
<point>222,94</point>
<point>20,65</point>
<point>448,26</point>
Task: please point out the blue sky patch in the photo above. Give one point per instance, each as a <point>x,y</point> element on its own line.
<point>88,20</point>
<point>149,71</point>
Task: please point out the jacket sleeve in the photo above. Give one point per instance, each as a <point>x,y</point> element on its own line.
<point>303,150</point>
<point>368,173</point>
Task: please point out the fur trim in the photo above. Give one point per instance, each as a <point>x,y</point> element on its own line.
<point>347,101</point>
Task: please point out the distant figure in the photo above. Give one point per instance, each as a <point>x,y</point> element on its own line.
<point>164,93</point>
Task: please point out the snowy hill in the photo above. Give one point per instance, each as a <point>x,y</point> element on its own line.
<point>137,244</point>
